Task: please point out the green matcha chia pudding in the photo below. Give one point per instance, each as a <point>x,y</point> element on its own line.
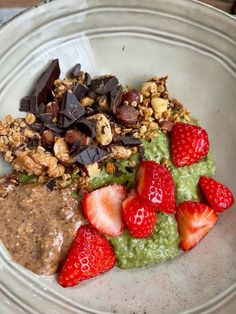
<point>163,244</point>
<point>104,175</point>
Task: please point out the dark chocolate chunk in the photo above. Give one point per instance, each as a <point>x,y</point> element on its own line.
<point>76,70</point>
<point>102,85</point>
<point>54,128</point>
<point>115,98</point>
<point>89,155</point>
<point>87,79</point>
<point>25,104</point>
<point>127,140</point>
<point>71,110</point>
<point>45,84</point>
<point>141,151</point>
<point>80,91</point>
<point>75,149</point>
<point>87,126</point>
<point>45,117</point>
<point>38,127</point>
<point>90,110</point>
<point>50,184</point>
<point>34,142</point>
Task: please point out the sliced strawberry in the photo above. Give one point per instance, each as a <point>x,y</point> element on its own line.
<point>189,143</point>
<point>194,221</point>
<point>217,194</point>
<point>156,185</point>
<point>139,217</point>
<point>102,208</point>
<point>90,255</point>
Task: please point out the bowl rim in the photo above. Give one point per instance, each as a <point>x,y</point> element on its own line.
<point>227,295</point>
<point>45,2</point>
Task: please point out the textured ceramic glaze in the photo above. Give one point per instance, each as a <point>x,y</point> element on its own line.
<point>196,46</point>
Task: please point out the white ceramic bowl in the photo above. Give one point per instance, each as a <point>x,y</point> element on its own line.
<point>196,46</point>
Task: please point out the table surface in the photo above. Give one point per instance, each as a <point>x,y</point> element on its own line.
<point>225,5</point>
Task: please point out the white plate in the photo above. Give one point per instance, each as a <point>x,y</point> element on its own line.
<point>196,46</point>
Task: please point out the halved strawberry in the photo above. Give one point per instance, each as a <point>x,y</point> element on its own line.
<point>189,143</point>
<point>156,185</point>
<point>90,255</point>
<point>139,217</point>
<point>194,220</point>
<point>217,194</point>
<point>102,208</point>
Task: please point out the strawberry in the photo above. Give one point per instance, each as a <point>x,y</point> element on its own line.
<point>189,143</point>
<point>139,217</point>
<point>194,221</point>
<point>102,208</point>
<point>156,185</point>
<point>217,194</point>
<point>90,255</point>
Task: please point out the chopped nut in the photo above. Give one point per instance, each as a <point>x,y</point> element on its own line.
<point>148,88</point>
<point>103,102</point>
<point>61,150</point>
<point>120,152</point>
<point>53,108</point>
<point>167,125</point>
<point>87,101</point>
<point>166,163</point>
<point>9,119</point>
<point>159,105</point>
<point>73,136</point>
<point>92,170</point>
<point>103,129</point>
<point>110,167</point>
<point>30,118</point>
<point>48,138</point>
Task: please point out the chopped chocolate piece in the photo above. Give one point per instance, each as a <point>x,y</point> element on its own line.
<point>76,70</point>
<point>116,98</point>
<point>141,151</point>
<point>25,104</point>
<point>89,155</point>
<point>38,127</point>
<point>87,79</point>
<point>89,110</point>
<point>34,142</point>
<point>54,128</point>
<point>40,108</point>
<point>45,117</point>
<point>45,84</point>
<point>71,110</point>
<point>50,184</point>
<point>75,149</point>
<point>102,85</point>
<point>127,140</point>
<point>127,115</point>
<point>29,104</point>
<point>87,126</point>
<point>80,91</point>
<point>167,125</point>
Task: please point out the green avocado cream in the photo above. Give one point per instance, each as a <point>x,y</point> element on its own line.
<point>163,243</point>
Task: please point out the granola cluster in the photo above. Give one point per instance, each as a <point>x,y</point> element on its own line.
<point>75,123</point>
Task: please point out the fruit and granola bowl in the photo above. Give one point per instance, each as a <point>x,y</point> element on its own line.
<point>104,175</point>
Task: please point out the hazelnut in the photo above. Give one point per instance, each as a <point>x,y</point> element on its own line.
<point>127,115</point>
<point>53,108</point>
<point>73,136</point>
